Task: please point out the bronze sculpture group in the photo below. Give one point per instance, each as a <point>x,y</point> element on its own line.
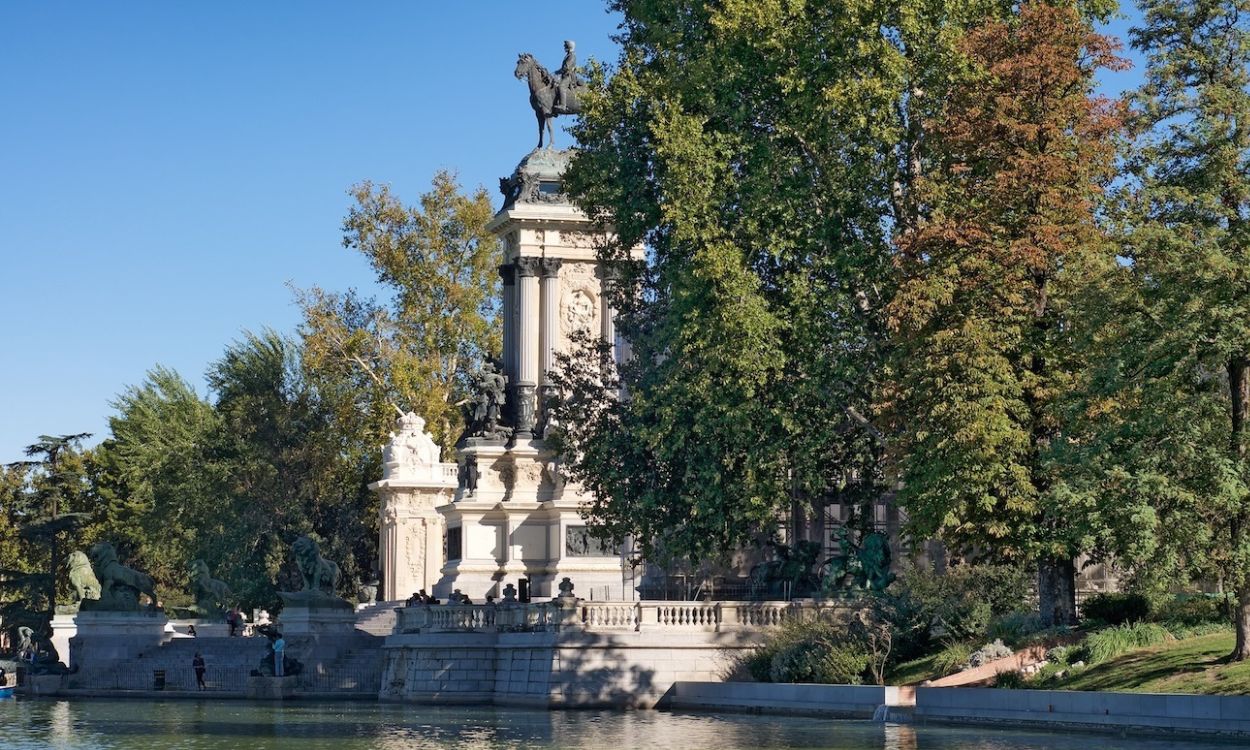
<point>551,95</point>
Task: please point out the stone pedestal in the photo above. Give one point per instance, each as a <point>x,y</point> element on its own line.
<point>109,637</point>
<point>63,629</point>
<point>414,483</point>
<point>303,622</point>
<point>44,684</point>
<point>262,687</point>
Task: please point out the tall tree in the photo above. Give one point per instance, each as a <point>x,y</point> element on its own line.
<point>762,151</point>
<point>991,279</point>
<point>1186,363</point>
<point>47,496</point>
<point>418,350</point>
<point>157,478</point>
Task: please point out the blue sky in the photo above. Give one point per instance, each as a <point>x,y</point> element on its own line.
<point>167,168</point>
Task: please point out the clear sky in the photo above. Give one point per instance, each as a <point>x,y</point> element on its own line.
<point>167,168</point>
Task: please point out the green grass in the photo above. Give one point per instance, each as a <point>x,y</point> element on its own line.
<point>1192,665</point>
<point>915,671</point>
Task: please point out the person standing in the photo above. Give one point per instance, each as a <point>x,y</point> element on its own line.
<point>279,655</point>
<point>198,665</point>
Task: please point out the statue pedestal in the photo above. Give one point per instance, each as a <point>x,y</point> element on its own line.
<point>269,688</point>
<point>115,636</point>
<point>304,622</point>
<point>63,629</point>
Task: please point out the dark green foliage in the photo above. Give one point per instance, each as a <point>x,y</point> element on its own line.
<point>1116,608</point>
<point>1013,680</point>
<point>1194,609</point>
<point>817,651</point>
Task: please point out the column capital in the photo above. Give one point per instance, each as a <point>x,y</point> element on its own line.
<point>527,267</point>
<point>550,267</point>
<point>508,272</point>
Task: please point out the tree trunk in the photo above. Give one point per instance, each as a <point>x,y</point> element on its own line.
<point>1241,652</point>
<point>1056,591</point>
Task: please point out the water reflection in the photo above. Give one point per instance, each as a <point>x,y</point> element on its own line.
<point>239,725</point>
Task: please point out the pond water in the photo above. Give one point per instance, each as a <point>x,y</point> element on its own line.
<point>238,725</point>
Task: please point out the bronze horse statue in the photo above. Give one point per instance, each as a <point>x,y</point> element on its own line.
<point>543,88</point>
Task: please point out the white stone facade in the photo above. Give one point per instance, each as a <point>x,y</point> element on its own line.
<point>506,514</point>
<point>414,482</point>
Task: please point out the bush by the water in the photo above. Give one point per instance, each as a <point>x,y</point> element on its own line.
<point>959,604</point>
<point>817,651</point>
<point>952,659</point>
<point>1012,680</point>
<point>1116,608</point>
<point>1106,644</point>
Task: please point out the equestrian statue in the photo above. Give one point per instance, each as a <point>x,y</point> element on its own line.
<point>552,95</point>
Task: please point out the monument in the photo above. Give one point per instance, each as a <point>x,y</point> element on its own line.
<point>508,513</point>
<point>118,624</point>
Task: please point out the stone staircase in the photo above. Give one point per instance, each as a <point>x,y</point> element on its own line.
<point>228,663</point>
<point>357,670</point>
<point>377,618</point>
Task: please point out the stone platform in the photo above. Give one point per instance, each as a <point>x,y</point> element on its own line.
<point>573,653</point>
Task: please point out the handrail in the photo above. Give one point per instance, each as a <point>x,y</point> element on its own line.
<point>601,616</point>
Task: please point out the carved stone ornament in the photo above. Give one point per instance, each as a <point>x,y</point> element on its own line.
<point>550,267</point>
<point>412,453</point>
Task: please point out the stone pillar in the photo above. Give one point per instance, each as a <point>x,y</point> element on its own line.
<point>550,337</point>
<point>508,272</point>
<point>608,277</point>
<point>526,337</point>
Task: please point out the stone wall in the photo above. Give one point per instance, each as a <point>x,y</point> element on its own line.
<point>559,669</point>
<point>571,652</point>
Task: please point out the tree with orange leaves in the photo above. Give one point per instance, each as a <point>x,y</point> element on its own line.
<point>992,282</point>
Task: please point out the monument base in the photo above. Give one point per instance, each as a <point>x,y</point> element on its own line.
<point>269,688</point>
<point>317,623</point>
<point>114,636</point>
<point>63,629</point>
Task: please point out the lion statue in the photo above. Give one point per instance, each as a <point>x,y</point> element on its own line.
<point>319,573</point>
<point>211,595</point>
<point>120,586</point>
<point>82,578</point>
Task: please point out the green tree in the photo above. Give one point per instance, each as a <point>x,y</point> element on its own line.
<point>992,281</point>
<point>1177,418</point>
<point>46,497</point>
<point>156,477</point>
<point>762,152</point>
<point>288,470</point>
<point>418,350</point>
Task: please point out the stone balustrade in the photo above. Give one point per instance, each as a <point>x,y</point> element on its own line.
<point>601,616</point>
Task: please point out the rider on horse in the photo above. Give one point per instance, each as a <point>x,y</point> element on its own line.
<point>566,76</point>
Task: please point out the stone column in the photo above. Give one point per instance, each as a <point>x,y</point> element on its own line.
<point>608,277</point>
<point>508,272</point>
<point>526,338</point>
<point>550,338</point>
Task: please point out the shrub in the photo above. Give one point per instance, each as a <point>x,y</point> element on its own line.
<point>1015,627</point>
<point>1012,680</point>
<point>952,658</point>
<point>815,651</point>
<point>833,665</point>
<point>1116,609</point>
<point>1196,609</point>
<point>988,653</point>
<point>962,602</point>
<point>1109,643</point>
<point>1180,630</point>
<point>1059,654</point>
